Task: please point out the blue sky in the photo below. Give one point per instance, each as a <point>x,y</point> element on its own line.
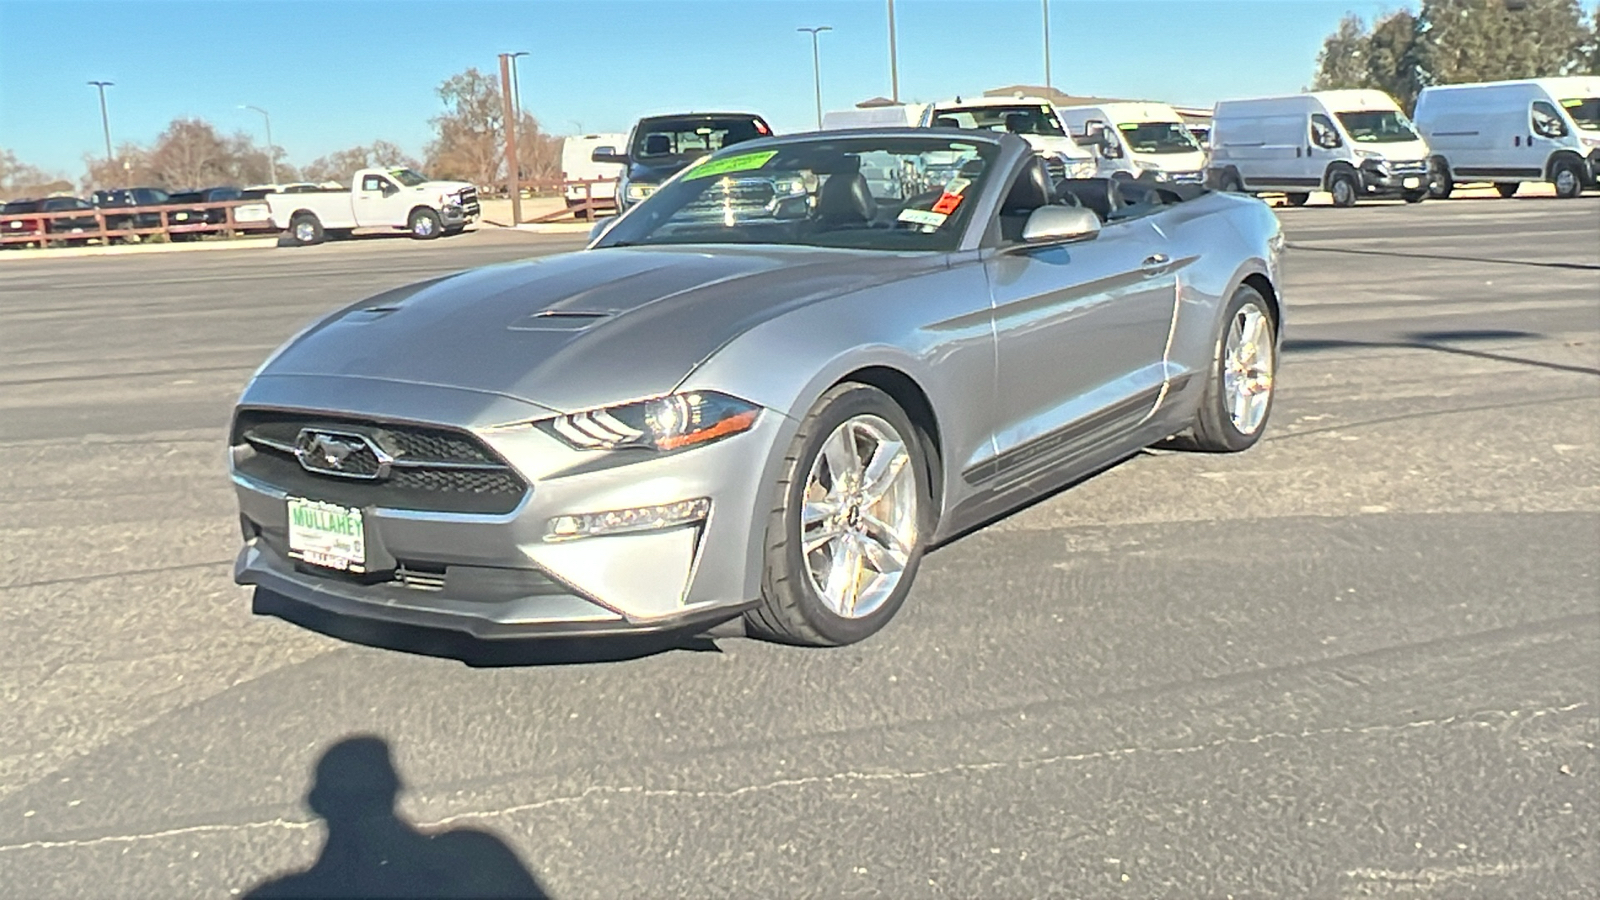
<point>339,74</point>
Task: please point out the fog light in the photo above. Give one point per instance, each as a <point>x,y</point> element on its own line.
<point>623,521</point>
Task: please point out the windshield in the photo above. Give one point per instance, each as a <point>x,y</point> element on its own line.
<point>186,197</point>
<point>1377,126</point>
<point>20,206</point>
<point>1158,137</point>
<point>663,139</point>
<point>1024,118</point>
<point>1585,112</point>
<point>865,193</point>
<point>407,177</point>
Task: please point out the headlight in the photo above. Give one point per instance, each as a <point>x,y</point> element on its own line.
<point>1590,142</point>
<point>1369,155</point>
<point>665,423</point>
<point>1147,166</point>
<point>640,191</point>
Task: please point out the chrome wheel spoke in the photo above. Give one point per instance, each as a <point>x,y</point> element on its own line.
<point>889,459</point>
<point>858,516</point>
<point>1248,362</point>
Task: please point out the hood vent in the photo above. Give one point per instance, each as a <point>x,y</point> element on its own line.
<point>558,320</point>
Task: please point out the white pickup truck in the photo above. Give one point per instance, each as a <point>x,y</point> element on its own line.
<point>387,198</point>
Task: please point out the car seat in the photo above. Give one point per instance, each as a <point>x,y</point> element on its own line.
<point>657,145</point>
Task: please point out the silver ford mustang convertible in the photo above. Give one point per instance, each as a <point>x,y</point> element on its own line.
<point>761,394</point>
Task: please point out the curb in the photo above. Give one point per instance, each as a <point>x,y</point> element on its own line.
<point>136,249</point>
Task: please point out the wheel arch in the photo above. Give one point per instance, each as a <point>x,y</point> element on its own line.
<point>1338,167</point>
<point>1560,156</point>
<point>421,207</point>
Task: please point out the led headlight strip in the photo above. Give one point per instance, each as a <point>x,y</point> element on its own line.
<point>664,423</point>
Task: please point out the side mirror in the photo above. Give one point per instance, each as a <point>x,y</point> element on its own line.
<point>1110,149</point>
<point>1060,224</point>
<point>390,190</point>
<point>607,154</point>
<point>600,227</point>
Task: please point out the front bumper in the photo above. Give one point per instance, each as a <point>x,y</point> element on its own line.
<point>497,574</point>
<point>1393,179</point>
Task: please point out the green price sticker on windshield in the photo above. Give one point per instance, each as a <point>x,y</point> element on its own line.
<point>742,162</point>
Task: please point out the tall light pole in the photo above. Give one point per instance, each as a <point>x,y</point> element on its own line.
<point>894,63</point>
<point>516,83</point>
<point>1047,44</point>
<point>105,120</point>
<point>272,152</point>
<point>509,115</point>
<point>816,66</point>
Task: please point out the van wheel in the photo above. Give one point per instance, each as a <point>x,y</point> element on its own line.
<point>424,224</point>
<point>304,229</point>
<point>1231,182</point>
<point>1507,189</point>
<point>1414,196</point>
<point>1296,199</point>
<point>1440,184</point>
<point>1343,188</point>
<point>1567,178</point>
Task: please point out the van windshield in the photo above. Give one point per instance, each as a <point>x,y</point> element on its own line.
<point>1377,126</point>
<point>1585,112</point>
<point>1158,137</point>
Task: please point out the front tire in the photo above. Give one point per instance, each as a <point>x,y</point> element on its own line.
<point>1231,183</point>
<point>1344,189</point>
<point>1414,196</point>
<point>424,224</point>
<point>1440,184</point>
<point>1567,176</point>
<point>852,519</point>
<point>1238,397</point>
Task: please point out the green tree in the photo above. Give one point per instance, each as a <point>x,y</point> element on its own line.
<point>1394,58</point>
<point>1343,60</point>
<point>1491,40</point>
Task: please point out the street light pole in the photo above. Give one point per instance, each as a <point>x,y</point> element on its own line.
<point>105,120</point>
<point>816,66</point>
<point>1047,82</point>
<point>272,152</point>
<point>516,84</point>
<point>511,138</point>
<point>894,63</point>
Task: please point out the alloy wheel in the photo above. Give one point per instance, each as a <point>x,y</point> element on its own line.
<point>1249,360</point>
<point>858,522</point>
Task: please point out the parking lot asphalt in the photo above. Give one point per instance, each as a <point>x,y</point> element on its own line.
<point>1362,659</point>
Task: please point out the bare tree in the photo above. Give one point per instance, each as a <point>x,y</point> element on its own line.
<point>339,165</point>
<point>469,131</point>
<point>22,180</point>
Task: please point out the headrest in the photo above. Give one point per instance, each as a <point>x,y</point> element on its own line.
<point>1030,191</point>
<point>846,199</point>
<point>945,122</point>
<point>657,145</point>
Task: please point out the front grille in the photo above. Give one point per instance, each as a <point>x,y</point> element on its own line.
<point>1414,167</point>
<point>431,469</point>
<point>1056,168</point>
<point>736,197</point>
<point>469,201</point>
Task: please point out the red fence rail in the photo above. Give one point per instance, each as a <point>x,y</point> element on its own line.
<point>36,227</point>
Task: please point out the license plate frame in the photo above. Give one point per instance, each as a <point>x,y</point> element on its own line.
<point>327,535</point>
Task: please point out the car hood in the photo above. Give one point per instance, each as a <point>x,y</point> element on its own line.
<point>583,329</point>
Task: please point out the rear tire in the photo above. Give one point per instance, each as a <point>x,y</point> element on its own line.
<point>1244,362</point>
<point>1296,199</point>
<point>1567,176</point>
<point>817,598</point>
<point>424,224</point>
<point>1414,196</point>
<point>1344,189</point>
<point>1507,189</point>
<point>305,229</point>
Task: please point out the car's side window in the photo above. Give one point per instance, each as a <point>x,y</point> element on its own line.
<point>372,182</point>
<point>1547,121</point>
<point>1323,134</point>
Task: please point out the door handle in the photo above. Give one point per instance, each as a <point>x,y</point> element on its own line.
<point>1155,263</point>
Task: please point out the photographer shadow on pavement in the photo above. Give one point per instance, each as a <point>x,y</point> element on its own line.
<point>371,852</point>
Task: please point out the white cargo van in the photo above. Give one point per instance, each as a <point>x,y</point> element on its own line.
<point>1033,119</point>
<point>1508,132</point>
<point>1137,139</point>
<point>577,165</point>
<point>1352,144</point>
